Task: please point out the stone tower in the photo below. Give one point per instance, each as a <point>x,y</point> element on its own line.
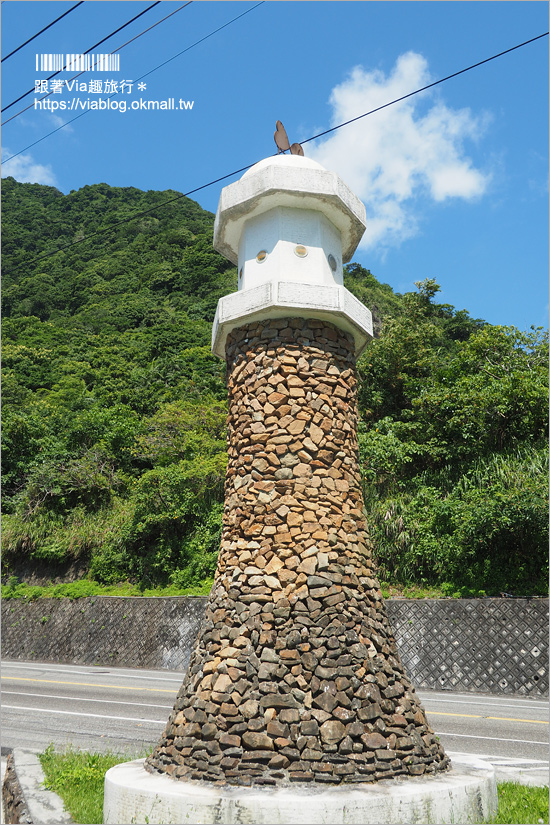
<point>295,676</point>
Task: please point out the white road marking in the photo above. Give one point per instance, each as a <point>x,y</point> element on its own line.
<point>90,715</point>
<point>502,760</point>
<point>79,699</point>
<point>488,738</point>
<point>71,670</point>
<point>489,704</point>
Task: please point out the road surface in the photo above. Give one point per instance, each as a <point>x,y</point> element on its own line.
<point>101,708</point>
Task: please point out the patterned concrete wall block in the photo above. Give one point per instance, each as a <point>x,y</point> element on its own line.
<point>488,645</point>
<point>125,632</point>
<point>296,674</point>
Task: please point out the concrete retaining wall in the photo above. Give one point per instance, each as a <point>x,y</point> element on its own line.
<point>14,804</point>
<point>485,645</point>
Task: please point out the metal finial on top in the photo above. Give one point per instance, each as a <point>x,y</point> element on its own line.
<point>283,143</point>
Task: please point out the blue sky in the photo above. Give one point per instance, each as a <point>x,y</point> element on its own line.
<point>455,180</point>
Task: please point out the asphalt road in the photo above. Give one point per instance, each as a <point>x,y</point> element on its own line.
<point>96,708</point>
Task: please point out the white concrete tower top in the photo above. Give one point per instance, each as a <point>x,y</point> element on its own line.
<point>289,225</point>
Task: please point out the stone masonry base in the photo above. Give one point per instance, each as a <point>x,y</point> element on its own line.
<point>465,794</point>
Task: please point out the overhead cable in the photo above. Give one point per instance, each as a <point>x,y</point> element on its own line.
<point>152,6</point>
<point>423,89</point>
<point>249,166</point>
<point>57,19</point>
<point>74,77</point>
<point>140,214</point>
<point>86,111</point>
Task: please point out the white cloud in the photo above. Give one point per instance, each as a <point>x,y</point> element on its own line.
<point>60,124</point>
<point>398,155</point>
<point>25,169</point>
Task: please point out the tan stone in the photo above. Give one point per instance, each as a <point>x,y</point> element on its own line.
<point>301,592</point>
<point>316,434</point>
<point>296,426</point>
<point>228,652</point>
<point>310,445</point>
<point>211,667</point>
<point>301,470</point>
<point>222,682</point>
<point>286,575</point>
<point>273,565</point>
<point>259,438</point>
<point>341,485</point>
<point>294,381</point>
<point>308,566</point>
<point>276,398</point>
<point>309,526</point>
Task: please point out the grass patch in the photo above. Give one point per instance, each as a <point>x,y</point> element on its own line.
<point>78,777</point>
<point>521,804</point>
<point>398,590</point>
<point>84,587</point>
<point>14,589</point>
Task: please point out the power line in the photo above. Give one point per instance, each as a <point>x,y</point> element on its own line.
<point>57,19</point>
<point>74,77</point>
<point>429,86</point>
<point>152,6</point>
<point>140,214</point>
<point>244,168</point>
<point>86,111</point>
<point>202,39</point>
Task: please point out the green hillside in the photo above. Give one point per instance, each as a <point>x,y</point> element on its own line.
<point>114,409</point>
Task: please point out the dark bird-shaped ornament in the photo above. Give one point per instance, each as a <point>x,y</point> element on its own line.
<point>283,143</point>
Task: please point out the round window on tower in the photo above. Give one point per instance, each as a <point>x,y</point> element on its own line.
<point>332,262</point>
<point>300,251</point>
<point>261,256</point>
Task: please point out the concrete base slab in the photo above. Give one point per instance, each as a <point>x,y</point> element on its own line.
<point>465,794</point>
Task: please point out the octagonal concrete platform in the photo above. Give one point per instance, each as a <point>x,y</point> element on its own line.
<point>465,794</point>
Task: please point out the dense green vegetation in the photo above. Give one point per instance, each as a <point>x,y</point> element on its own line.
<point>114,409</point>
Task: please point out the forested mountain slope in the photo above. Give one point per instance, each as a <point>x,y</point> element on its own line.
<point>114,409</point>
